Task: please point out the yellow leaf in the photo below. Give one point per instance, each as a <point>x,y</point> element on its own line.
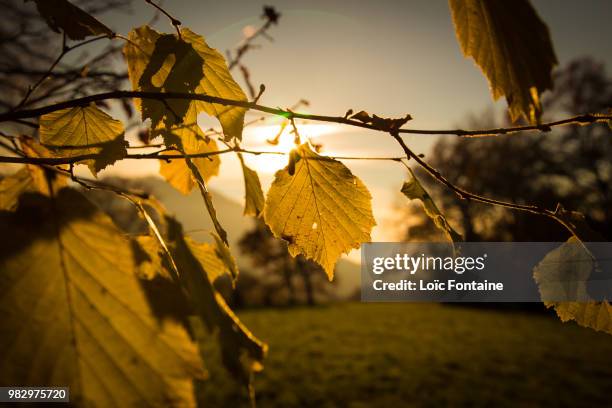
<point>149,257</point>
<point>321,209</point>
<point>215,259</point>
<point>42,178</point>
<point>84,131</point>
<point>74,314</point>
<point>594,315</point>
<point>163,62</point>
<point>512,46</point>
<point>188,139</point>
<point>11,187</point>
<point>413,190</point>
<point>30,178</point>
<point>253,195</point>
<point>563,273</point>
<point>65,16</point>
<point>242,352</point>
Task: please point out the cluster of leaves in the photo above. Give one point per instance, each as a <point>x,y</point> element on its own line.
<point>116,337</point>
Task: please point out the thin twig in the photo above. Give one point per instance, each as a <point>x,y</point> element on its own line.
<point>65,50</point>
<point>175,22</point>
<point>157,155</point>
<point>466,195</point>
<point>271,16</point>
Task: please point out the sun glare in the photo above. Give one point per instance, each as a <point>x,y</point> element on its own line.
<point>257,137</point>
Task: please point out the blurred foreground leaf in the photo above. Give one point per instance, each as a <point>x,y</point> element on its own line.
<point>74,313</point>
<point>512,46</point>
<point>61,15</point>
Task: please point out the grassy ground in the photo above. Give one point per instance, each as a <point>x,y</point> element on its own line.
<point>397,355</point>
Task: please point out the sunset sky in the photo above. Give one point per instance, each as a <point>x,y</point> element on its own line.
<point>385,57</point>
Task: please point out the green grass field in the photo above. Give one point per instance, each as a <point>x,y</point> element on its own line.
<point>398,355</point>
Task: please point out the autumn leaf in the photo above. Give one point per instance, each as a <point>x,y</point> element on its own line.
<point>594,315</point>
<point>150,257</point>
<point>253,195</point>
<point>563,273</point>
<point>215,259</point>
<point>12,186</point>
<point>242,352</point>
<point>512,46</point>
<point>43,179</point>
<point>74,313</point>
<point>84,131</point>
<point>195,267</point>
<point>30,178</point>
<point>163,62</point>
<point>63,16</point>
<point>322,210</point>
<point>413,190</point>
<point>188,139</point>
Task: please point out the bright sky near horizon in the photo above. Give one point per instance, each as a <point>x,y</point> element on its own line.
<point>386,57</point>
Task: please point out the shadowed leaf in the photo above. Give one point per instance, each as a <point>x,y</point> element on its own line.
<point>162,62</point>
<point>188,139</point>
<point>212,260</point>
<point>242,353</point>
<point>512,46</point>
<point>89,325</point>
<point>253,195</point>
<point>61,15</point>
<point>11,187</point>
<point>413,190</point>
<point>568,264</point>
<point>81,131</point>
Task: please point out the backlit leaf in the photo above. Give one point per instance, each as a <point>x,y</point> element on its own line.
<point>211,260</point>
<point>74,314</point>
<point>61,15</point>
<point>188,261</point>
<point>242,352</point>
<point>512,46</point>
<point>223,252</point>
<point>163,62</point>
<point>11,188</point>
<point>84,131</point>
<point>413,190</point>
<point>188,139</point>
<point>253,195</point>
<point>594,315</point>
<point>574,263</point>
<point>322,210</point>
<point>149,257</point>
<point>42,178</point>
<point>30,178</point>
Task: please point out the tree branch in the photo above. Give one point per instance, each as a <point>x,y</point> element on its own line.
<point>588,118</point>
<point>56,161</point>
<point>466,195</point>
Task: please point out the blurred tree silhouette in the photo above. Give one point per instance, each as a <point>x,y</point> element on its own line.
<point>27,53</point>
<point>571,166</point>
<point>273,257</point>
